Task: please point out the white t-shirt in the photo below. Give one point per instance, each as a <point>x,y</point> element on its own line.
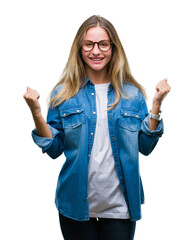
<point>105,196</point>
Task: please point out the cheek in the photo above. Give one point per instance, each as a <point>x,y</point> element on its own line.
<point>109,56</point>
<point>83,56</point>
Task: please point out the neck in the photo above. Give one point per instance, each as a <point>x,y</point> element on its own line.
<point>98,77</point>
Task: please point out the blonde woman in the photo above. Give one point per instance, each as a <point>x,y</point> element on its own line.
<point>99,119</point>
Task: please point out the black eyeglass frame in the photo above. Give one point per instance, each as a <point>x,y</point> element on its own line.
<point>93,43</point>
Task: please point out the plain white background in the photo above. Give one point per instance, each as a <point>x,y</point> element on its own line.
<point>36,37</point>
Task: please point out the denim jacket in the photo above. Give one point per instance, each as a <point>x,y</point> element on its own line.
<point>73,124</point>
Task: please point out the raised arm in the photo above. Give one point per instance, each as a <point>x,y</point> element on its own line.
<point>162,89</point>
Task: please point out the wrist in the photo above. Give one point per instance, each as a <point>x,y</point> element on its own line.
<point>156,108</point>
<point>156,117</point>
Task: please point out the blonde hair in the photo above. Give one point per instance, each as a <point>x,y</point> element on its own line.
<point>74,74</point>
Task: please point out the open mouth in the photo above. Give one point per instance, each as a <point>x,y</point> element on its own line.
<point>96,59</point>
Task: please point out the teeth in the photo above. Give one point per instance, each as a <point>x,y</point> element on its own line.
<point>96,59</point>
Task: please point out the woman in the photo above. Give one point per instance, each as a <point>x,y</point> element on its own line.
<point>98,118</point>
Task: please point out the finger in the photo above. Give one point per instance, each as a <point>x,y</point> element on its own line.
<point>160,86</point>
<point>28,90</point>
<point>165,85</point>
<point>162,90</point>
<point>26,95</point>
<point>32,95</point>
<point>35,96</point>
<point>165,82</point>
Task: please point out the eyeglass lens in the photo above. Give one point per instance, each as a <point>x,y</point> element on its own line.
<point>103,45</point>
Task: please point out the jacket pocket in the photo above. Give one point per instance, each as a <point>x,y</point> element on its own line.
<point>72,117</point>
<point>130,120</point>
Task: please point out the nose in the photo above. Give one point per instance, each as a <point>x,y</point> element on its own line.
<point>95,49</point>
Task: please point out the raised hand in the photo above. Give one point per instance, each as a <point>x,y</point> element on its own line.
<point>31,96</point>
<point>162,89</point>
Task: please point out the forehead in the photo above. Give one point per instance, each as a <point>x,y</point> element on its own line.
<point>96,34</point>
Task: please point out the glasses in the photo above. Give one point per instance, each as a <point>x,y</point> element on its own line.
<point>103,45</point>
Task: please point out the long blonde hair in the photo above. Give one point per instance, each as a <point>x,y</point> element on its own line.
<point>74,74</point>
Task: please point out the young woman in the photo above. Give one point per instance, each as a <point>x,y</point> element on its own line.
<point>98,118</point>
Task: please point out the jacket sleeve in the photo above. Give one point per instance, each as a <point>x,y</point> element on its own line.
<point>148,139</point>
<point>54,146</point>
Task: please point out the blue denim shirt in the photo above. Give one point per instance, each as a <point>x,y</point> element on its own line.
<point>73,125</point>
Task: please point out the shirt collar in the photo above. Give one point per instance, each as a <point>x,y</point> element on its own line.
<point>88,81</point>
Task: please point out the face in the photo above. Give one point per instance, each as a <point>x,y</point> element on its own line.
<point>96,60</point>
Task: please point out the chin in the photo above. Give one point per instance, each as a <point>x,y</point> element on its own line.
<point>97,68</point>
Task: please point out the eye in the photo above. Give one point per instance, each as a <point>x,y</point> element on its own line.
<point>88,44</point>
<point>104,44</point>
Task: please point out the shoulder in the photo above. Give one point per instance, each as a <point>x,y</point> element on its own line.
<point>132,90</point>
<point>132,95</point>
<point>135,100</point>
<point>56,90</point>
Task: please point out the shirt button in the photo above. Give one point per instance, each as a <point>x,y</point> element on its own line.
<point>113,138</point>
<point>92,133</point>
<point>94,112</point>
<point>92,94</point>
<point>110,117</point>
<point>88,155</point>
<point>125,114</point>
<point>77,110</point>
<point>64,114</point>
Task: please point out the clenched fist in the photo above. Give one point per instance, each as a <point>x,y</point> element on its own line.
<point>31,96</point>
<point>162,89</point>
